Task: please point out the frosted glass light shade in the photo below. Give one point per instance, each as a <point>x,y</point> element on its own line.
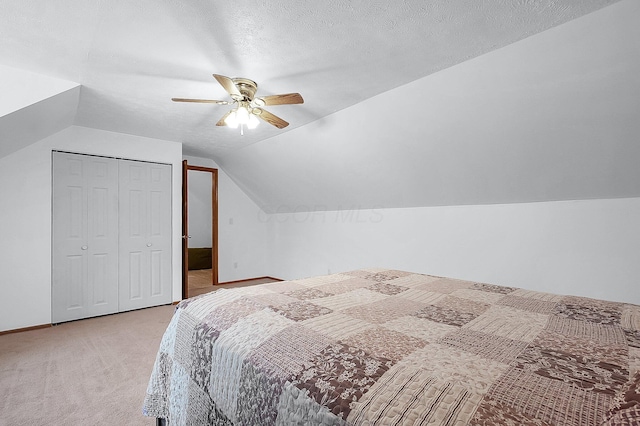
<point>253,122</point>
<point>232,120</point>
<point>242,115</point>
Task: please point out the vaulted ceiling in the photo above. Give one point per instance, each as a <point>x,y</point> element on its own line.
<point>407,103</point>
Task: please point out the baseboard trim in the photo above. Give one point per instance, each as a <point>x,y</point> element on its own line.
<point>20,330</point>
<point>250,279</point>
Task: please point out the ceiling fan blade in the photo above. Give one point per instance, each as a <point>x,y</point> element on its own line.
<point>270,118</point>
<point>201,101</point>
<point>286,99</point>
<point>228,85</point>
<point>224,117</point>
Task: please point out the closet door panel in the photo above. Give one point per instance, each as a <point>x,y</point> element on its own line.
<point>103,234</point>
<point>85,236</point>
<point>160,233</point>
<point>145,234</point>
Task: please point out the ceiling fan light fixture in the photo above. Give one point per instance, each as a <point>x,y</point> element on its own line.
<point>253,122</point>
<point>232,120</point>
<point>242,114</point>
<point>248,110</point>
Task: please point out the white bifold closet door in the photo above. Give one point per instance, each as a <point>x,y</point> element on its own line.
<point>85,236</point>
<point>145,234</point>
<point>111,236</point>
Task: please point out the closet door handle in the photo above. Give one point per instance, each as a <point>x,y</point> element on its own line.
<point>149,244</point>
<point>84,247</point>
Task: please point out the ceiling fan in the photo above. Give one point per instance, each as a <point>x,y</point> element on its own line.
<point>248,108</point>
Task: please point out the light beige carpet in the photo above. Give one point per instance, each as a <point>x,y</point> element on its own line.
<point>200,282</point>
<point>88,372</point>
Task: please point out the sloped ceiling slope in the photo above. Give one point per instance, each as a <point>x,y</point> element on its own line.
<point>386,108</point>
<point>552,117</point>
<point>131,57</point>
<point>33,106</point>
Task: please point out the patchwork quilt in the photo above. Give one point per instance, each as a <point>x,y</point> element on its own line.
<point>387,347</point>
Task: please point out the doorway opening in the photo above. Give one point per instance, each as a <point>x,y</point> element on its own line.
<point>199,229</point>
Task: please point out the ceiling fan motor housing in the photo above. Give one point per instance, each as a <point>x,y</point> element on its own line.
<point>246,87</point>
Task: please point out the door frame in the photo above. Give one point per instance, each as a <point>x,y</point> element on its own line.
<point>185,225</point>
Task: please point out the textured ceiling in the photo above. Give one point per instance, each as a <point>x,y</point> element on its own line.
<point>131,57</point>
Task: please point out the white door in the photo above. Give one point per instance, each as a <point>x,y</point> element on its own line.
<point>145,235</point>
<point>85,236</point>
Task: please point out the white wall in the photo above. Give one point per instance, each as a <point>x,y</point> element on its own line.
<point>586,248</point>
<point>243,233</point>
<point>25,215</point>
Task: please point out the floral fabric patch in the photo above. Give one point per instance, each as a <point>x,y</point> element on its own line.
<point>340,375</point>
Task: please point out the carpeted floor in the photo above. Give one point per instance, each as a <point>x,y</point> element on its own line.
<point>88,372</point>
<point>200,282</point>
<point>92,371</point>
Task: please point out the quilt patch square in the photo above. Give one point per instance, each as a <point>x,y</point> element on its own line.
<point>582,363</point>
<point>456,366</point>
<point>272,300</point>
<point>321,280</point>
<point>601,333</point>
<point>496,348</point>
<point>421,296</point>
<point>539,295</point>
<point>385,343</point>
<point>344,286</point>
<point>258,400</point>
<point>339,376</point>
<point>204,335</point>
<point>550,401</point>
<point>336,325</point>
<point>493,288</point>
<point>445,315</point>
<point>200,407</point>
<point>284,354</point>
<point>509,322</point>
<point>410,396</point>
<point>184,339</point>
<point>344,301</point>
<point>529,304</point>
<point>387,275</point>
<point>485,297</point>
<point>415,327</point>
<point>200,306</point>
<point>462,305</point>
<point>413,280</point>
<point>386,288</point>
<point>630,317</point>
<point>377,274</point>
<point>445,285</point>
<point>494,413</point>
<point>634,360</point>
<point>283,286</point>
<point>633,338</point>
<point>583,309</point>
<point>308,294</point>
<point>302,310</point>
<point>296,407</point>
<point>384,310</point>
<point>226,315</point>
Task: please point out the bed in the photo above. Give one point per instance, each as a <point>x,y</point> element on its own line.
<point>379,346</point>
